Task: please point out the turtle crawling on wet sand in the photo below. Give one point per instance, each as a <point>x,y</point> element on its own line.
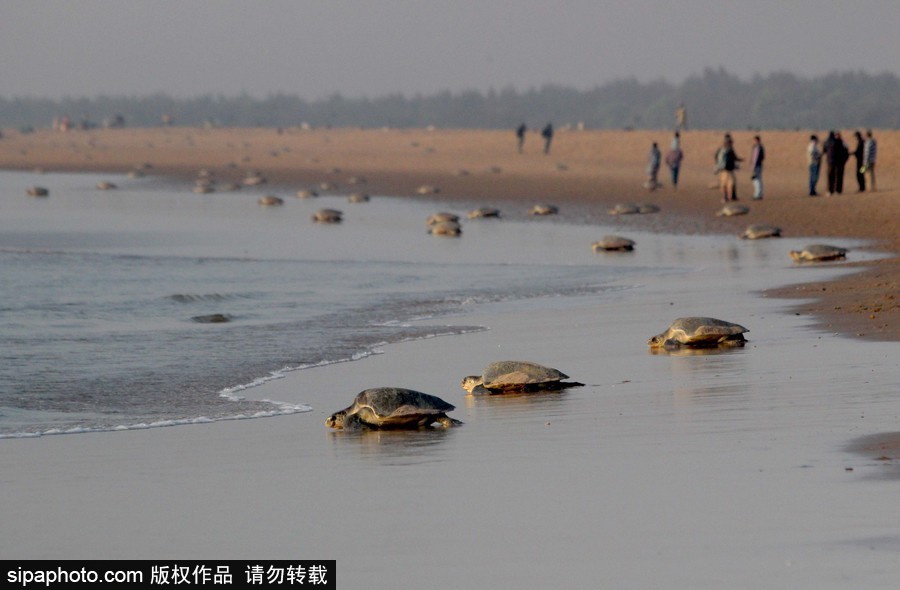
<point>516,376</point>
<point>327,216</point>
<point>700,332</point>
<point>613,244</point>
<point>393,407</point>
<point>760,230</point>
<point>818,252</point>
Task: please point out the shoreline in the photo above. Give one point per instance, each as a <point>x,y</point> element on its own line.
<point>586,173</point>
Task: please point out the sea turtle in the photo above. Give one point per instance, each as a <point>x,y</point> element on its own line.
<point>612,244</point>
<point>254,179</point>
<point>483,212</point>
<point>507,376</point>
<point>624,209</point>
<point>445,228</point>
<point>543,209</point>
<point>760,230</point>
<point>37,191</point>
<point>818,252</point>
<point>327,216</point>
<point>358,198</point>
<point>393,407</point>
<point>699,332</point>
<point>441,216</point>
<point>270,200</point>
<point>732,209</point>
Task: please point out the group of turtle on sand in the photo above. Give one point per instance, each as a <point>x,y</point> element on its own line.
<point>397,407</point>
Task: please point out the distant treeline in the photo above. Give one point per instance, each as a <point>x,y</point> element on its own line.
<point>713,100</point>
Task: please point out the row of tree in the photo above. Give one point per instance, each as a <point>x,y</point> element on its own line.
<point>714,99</point>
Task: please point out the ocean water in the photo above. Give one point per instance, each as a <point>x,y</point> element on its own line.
<point>104,294</point>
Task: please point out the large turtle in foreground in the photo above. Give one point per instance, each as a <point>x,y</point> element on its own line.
<point>393,407</point>
<point>818,252</point>
<point>516,376</point>
<point>700,332</point>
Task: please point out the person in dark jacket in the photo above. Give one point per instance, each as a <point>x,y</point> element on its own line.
<point>547,134</point>
<point>520,136</point>
<point>836,155</point>
<point>841,155</point>
<point>859,154</point>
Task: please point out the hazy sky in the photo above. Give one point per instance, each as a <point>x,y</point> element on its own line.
<point>313,48</point>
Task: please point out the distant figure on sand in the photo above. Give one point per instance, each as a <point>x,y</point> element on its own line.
<point>814,159</point>
<point>836,155</point>
<point>859,153</point>
<point>757,155</point>
<point>680,117</point>
<point>547,134</point>
<point>870,153</point>
<point>653,168</point>
<point>674,158</point>
<point>726,163</point>
<point>520,136</point>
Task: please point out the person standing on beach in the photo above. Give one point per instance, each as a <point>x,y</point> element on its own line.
<point>842,154</point>
<point>520,136</point>
<point>814,159</point>
<point>680,117</point>
<point>653,167</point>
<point>547,134</point>
<point>674,158</point>
<point>726,163</point>
<point>757,155</point>
<point>835,158</point>
<point>859,153</point>
<point>870,153</point>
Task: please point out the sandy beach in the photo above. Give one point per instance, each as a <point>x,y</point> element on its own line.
<point>771,465</point>
<point>587,170</point>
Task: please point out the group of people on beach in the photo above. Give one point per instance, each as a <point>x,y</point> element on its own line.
<point>833,150</point>
<point>836,154</point>
<point>546,133</point>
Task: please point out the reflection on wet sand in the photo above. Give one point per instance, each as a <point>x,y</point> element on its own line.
<point>882,454</point>
<point>394,447</point>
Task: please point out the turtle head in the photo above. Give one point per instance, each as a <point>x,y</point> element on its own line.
<point>657,341</point>
<point>471,382</point>
<point>336,420</point>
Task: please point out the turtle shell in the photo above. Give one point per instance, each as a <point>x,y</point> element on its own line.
<point>445,228</point>
<point>543,209</point>
<point>732,209</point>
<point>613,243</point>
<point>700,331</point>
<point>504,375</point>
<point>441,216</point>
<point>483,212</point>
<point>396,407</point>
<point>327,216</point>
<point>624,209</point>
<point>819,252</point>
<point>760,230</point>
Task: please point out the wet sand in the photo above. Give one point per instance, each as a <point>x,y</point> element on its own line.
<point>586,172</point>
